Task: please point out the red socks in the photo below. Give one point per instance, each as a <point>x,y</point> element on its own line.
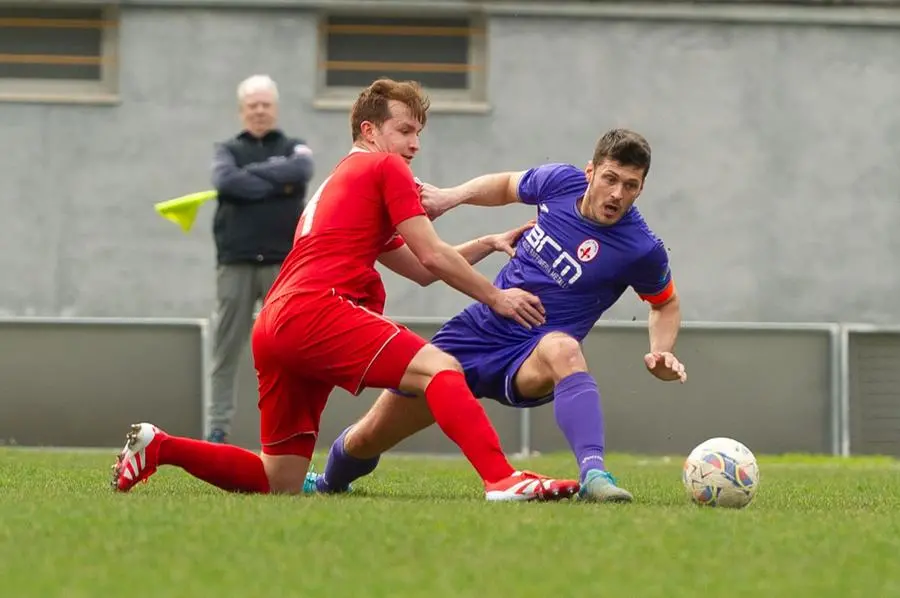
<point>462,418</point>
<point>228,467</point>
<point>456,410</point>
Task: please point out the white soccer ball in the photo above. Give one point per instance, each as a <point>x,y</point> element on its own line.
<point>721,472</point>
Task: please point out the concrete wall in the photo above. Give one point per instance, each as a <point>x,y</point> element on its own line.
<point>774,178</point>
<point>82,383</point>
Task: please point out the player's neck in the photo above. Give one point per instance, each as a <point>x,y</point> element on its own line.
<point>582,211</point>
<point>360,146</point>
<point>579,207</point>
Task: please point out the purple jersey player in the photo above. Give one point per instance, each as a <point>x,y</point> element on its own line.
<point>586,248</point>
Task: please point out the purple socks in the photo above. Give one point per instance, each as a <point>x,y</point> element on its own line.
<point>578,413</point>
<point>341,468</point>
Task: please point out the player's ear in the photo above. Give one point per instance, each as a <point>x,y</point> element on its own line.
<point>367,130</point>
<point>589,168</point>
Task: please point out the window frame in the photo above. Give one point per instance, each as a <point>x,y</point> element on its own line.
<point>101,91</point>
<point>473,99</point>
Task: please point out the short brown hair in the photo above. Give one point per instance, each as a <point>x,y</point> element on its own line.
<point>625,147</point>
<point>372,103</point>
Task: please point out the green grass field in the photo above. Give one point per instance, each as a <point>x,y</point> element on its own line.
<point>419,527</point>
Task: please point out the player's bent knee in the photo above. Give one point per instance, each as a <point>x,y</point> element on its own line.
<point>562,354</point>
<point>435,360</point>
<point>286,473</point>
<point>287,462</point>
<point>449,363</point>
<point>427,363</point>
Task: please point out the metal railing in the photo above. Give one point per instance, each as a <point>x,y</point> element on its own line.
<point>816,388</point>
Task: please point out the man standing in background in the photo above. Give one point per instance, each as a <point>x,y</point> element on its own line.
<point>261,176</point>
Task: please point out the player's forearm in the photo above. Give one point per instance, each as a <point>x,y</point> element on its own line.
<point>449,265</point>
<point>664,324</point>
<point>472,251</point>
<point>485,190</point>
<point>475,250</point>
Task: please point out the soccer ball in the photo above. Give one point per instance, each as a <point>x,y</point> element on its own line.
<point>721,472</point>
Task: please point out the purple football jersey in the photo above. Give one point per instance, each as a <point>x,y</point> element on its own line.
<point>577,267</point>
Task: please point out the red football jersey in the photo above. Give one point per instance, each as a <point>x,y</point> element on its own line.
<point>350,220</point>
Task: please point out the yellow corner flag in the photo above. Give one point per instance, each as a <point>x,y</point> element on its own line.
<point>183,210</point>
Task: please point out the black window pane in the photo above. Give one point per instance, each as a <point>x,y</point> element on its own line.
<point>401,21</point>
<point>428,80</point>
<point>433,51</point>
<point>33,40</point>
<point>64,43</point>
<point>16,12</point>
<point>401,48</point>
<point>49,71</point>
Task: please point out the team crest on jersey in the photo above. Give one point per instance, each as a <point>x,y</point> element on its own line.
<point>588,250</point>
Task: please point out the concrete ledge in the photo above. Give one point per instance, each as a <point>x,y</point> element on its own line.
<point>74,98</point>
<point>438,106</point>
<point>883,13</point>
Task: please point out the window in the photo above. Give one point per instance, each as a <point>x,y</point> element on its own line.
<point>57,53</point>
<point>445,54</point>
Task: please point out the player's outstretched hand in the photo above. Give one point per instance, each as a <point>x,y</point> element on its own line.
<point>665,366</point>
<point>521,306</point>
<point>506,242</point>
<point>435,200</point>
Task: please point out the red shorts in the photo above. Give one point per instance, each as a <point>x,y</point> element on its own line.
<point>304,346</point>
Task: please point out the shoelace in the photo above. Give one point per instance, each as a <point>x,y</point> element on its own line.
<point>309,482</point>
<point>610,477</point>
<point>540,479</point>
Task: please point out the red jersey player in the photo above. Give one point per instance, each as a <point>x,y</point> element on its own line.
<point>322,325</point>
